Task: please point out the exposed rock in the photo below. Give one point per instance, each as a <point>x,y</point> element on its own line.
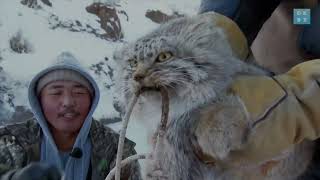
<point>98,68</point>
<point>160,17</point>
<point>47,2</point>
<point>31,3</point>
<point>6,95</point>
<point>75,26</point>
<point>9,112</point>
<point>8,89</point>
<point>110,72</point>
<point>78,23</point>
<point>4,114</point>
<point>109,20</point>
<point>19,44</point>
<point>21,113</point>
<point>124,13</point>
<point>105,72</point>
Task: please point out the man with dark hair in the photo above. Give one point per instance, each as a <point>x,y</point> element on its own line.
<point>62,139</point>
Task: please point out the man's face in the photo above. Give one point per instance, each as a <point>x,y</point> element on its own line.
<point>65,105</point>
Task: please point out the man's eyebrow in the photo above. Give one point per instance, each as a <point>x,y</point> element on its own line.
<point>79,86</point>
<point>55,86</point>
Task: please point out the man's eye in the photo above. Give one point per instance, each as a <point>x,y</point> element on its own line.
<point>55,93</point>
<point>80,92</point>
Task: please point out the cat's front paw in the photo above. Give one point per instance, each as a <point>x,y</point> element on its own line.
<point>222,127</point>
<point>154,170</point>
<point>157,174</point>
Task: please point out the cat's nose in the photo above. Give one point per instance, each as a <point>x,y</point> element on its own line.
<point>139,77</point>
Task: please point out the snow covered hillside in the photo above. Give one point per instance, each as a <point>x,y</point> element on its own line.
<point>33,32</point>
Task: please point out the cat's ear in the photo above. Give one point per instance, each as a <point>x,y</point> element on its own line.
<point>213,29</point>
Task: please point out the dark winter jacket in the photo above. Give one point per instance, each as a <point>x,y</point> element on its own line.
<point>20,145</point>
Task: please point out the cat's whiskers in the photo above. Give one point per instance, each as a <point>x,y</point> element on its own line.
<point>179,82</point>
<point>191,57</point>
<point>123,89</point>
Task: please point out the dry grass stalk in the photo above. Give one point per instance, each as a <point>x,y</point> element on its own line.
<point>162,126</point>
<point>160,135</point>
<point>123,134</point>
<point>126,161</point>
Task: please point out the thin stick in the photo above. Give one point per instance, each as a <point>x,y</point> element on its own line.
<point>162,127</point>
<point>165,113</point>
<point>161,132</point>
<point>164,118</point>
<point>123,134</point>
<point>126,161</point>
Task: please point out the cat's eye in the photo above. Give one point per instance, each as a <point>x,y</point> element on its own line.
<point>164,56</point>
<point>133,63</point>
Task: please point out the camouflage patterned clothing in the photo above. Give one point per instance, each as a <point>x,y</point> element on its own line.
<point>20,145</point>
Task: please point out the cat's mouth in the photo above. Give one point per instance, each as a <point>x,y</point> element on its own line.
<point>149,86</point>
<point>143,86</point>
<point>147,90</point>
<point>144,89</point>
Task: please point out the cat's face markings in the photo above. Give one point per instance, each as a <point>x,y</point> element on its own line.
<point>149,53</point>
<point>156,62</point>
<point>133,63</point>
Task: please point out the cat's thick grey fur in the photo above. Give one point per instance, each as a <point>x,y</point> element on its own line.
<point>197,77</point>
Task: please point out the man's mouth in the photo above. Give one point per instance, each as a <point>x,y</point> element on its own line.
<point>69,115</point>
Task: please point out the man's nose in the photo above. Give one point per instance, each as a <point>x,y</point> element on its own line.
<point>68,101</point>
